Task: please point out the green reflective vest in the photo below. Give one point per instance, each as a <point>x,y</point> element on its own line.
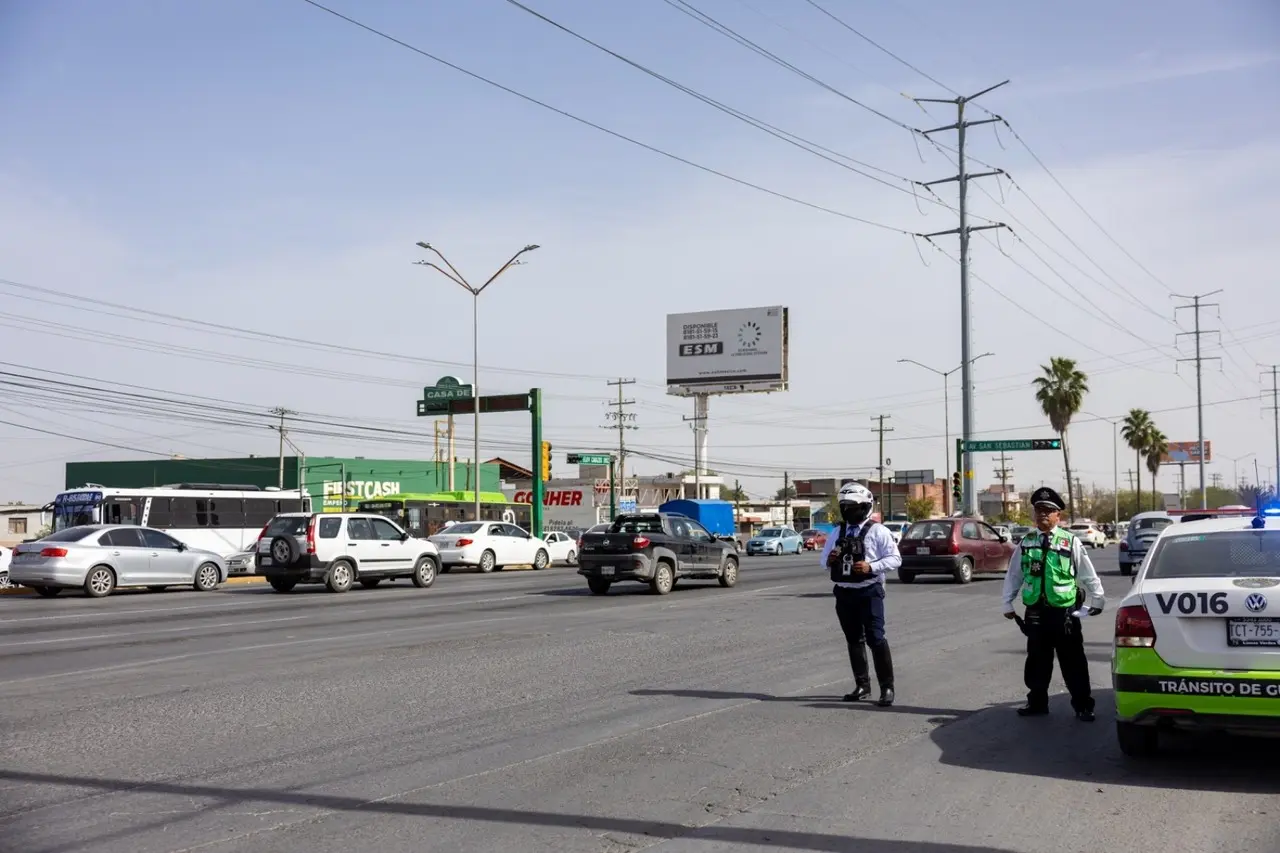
<point>1048,577</point>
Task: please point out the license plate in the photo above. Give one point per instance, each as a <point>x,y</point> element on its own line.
<point>922,551</point>
<point>606,571</point>
<point>1264,631</point>
<point>267,561</point>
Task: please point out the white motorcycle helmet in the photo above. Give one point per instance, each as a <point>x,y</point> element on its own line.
<point>855,501</point>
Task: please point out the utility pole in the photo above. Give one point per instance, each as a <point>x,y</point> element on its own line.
<point>1196,304</point>
<point>737,505</point>
<point>881,429</point>
<point>1003,473</point>
<point>786,498</point>
<point>281,412</point>
<point>1275,410</point>
<point>698,424</point>
<point>962,179</point>
<point>620,416</point>
<point>1131,474</point>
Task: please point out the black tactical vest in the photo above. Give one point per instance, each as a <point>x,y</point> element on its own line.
<point>849,550</point>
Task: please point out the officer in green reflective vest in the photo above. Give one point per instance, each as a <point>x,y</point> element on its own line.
<point>1052,573</point>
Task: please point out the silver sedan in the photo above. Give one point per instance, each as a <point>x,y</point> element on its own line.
<point>99,558</point>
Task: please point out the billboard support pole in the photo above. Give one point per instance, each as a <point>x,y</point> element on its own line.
<point>613,487</point>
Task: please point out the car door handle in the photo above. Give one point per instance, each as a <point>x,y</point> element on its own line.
<point>155,553</point>
<point>386,544</point>
<point>115,553</point>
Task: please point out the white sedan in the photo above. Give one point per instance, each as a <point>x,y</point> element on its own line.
<point>1090,535</point>
<point>562,547</point>
<point>489,545</point>
<point>5,555</point>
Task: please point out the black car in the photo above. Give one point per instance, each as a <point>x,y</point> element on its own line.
<point>657,549</point>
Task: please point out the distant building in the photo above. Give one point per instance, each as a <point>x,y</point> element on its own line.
<point>992,503</point>
<point>19,522</point>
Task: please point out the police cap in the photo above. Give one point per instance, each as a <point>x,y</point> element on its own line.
<point>1045,496</point>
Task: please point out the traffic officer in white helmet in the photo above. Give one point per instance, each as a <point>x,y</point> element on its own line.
<point>857,555</point>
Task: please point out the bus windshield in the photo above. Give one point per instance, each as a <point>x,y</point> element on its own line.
<point>75,509</point>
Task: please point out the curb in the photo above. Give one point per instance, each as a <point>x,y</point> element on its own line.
<point>237,580</point>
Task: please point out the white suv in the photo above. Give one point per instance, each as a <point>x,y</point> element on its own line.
<point>338,549</point>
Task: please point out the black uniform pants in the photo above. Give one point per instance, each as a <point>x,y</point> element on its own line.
<point>1050,631</point>
<point>861,615</point>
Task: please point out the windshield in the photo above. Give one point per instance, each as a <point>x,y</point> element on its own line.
<point>770,533</point>
<point>1080,526</point>
<point>77,509</point>
<point>929,530</point>
<point>469,527</point>
<point>1152,523</point>
<point>1234,554</point>
<point>286,525</point>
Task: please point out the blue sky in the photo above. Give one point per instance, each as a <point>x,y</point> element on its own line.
<point>267,166</point>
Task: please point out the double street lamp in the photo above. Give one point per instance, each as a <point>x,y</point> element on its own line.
<point>456,277</point>
<point>946,412</point>
<point>1115,460</point>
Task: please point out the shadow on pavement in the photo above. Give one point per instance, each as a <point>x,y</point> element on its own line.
<point>769,838</point>
<point>1060,747</point>
<point>939,715</point>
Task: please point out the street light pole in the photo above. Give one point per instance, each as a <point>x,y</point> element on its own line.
<point>457,278</point>
<point>946,415</point>
<point>1115,461</point>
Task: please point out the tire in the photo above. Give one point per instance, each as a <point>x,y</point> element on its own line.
<point>284,551</point>
<point>1126,570</point>
<point>370,583</point>
<point>729,574</point>
<point>99,582</point>
<point>488,562</point>
<point>540,560</point>
<point>1137,741</point>
<point>340,577</point>
<point>282,584</point>
<point>598,586</point>
<point>906,577</point>
<point>664,579</point>
<point>48,591</point>
<point>572,558</point>
<point>444,570</point>
<point>424,572</point>
<point>207,578</point>
<point>964,572</point>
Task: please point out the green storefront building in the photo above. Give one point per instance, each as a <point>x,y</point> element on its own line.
<point>322,477</point>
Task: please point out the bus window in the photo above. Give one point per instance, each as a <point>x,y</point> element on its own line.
<point>122,511</point>
<point>160,515</point>
<point>413,520</point>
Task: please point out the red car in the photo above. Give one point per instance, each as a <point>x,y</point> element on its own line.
<point>814,540</point>
<point>960,547</point>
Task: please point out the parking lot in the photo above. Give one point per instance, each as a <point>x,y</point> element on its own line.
<point>516,711</point>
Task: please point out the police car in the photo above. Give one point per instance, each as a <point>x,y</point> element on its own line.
<point>1197,641</point>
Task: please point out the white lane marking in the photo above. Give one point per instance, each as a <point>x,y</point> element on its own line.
<point>132,634</point>
<point>700,602</point>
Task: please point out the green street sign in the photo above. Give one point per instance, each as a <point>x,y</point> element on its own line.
<point>588,458</point>
<point>436,398</point>
<point>1014,444</point>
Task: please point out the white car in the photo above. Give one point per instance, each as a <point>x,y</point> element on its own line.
<point>1089,534</point>
<point>1197,637</point>
<point>489,545</point>
<point>562,548</point>
<point>5,556</point>
<point>897,528</point>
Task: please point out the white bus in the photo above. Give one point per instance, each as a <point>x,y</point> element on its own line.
<point>224,519</point>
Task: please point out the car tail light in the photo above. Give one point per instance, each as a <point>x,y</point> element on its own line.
<point>263,532</point>
<point>53,552</point>
<point>311,536</point>
<point>579,543</point>
<point>1134,628</point>
<point>640,543</point>
<point>953,548</point>
<point>1124,546</point>
<point>462,543</point>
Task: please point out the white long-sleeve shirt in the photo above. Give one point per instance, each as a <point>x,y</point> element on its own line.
<point>881,552</point>
<point>1086,576</point>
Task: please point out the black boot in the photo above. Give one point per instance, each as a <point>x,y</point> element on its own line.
<point>861,675</point>
<point>884,673</point>
<point>860,692</point>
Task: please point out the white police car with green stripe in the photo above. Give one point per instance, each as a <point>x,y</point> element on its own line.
<point>1197,641</point>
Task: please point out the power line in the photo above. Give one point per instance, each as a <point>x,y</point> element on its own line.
<point>880,47</point>
<point>601,128</point>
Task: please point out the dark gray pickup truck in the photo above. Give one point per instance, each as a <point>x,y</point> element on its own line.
<point>656,549</point>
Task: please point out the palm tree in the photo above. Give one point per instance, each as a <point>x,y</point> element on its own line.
<point>1157,445</point>
<point>1137,426</point>
<point>1060,393</point>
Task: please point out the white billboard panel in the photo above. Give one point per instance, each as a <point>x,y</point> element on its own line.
<point>727,352</point>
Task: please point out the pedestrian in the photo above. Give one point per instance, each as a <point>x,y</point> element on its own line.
<point>1054,574</point>
<point>857,558</point>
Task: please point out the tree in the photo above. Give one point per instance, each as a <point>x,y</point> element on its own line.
<point>1060,393</point>
<point>831,511</point>
<point>785,493</point>
<point>1157,445</point>
<point>734,493</point>
<point>918,508</point>
<point>1135,432</point>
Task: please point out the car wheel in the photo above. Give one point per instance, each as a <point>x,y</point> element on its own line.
<point>487,561</point>
<point>572,558</point>
<point>1137,741</point>
<point>906,577</point>
<point>48,591</point>
<point>207,578</point>
<point>729,574</point>
<point>663,579</point>
<point>540,560</point>
<point>340,577</point>
<point>370,583</point>
<point>424,573</point>
<point>598,586</point>
<point>282,584</point>
<point>1126,570</point>
<point>284,551</point>
<point>100,582</point>
<point>964,572</point>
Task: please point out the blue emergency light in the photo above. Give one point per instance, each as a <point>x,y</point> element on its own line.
<point>1270,510</point>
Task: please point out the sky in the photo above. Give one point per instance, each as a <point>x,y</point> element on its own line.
<point>256,173</point>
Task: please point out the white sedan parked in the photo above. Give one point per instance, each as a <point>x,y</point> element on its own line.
<point>489,545</point>
<point>1090,535</point>
<point>562,547</point>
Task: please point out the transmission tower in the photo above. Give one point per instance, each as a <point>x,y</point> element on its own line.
<point>1196,305</point>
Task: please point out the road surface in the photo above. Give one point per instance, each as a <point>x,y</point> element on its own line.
<point>516,712</point>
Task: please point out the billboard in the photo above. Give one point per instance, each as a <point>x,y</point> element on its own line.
<point>727,352</point>
<point>1186,451</point>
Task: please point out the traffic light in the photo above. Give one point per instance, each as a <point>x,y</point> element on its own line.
<point>546,461</point>
<point>956,491</point>
<point>1046,444</point>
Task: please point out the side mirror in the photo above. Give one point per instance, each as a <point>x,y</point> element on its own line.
<point>182,546</point>
<point>404,537</point>
<point>1003,538</point>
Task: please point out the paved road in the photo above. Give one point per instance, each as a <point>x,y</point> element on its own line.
<point>516,712</point>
